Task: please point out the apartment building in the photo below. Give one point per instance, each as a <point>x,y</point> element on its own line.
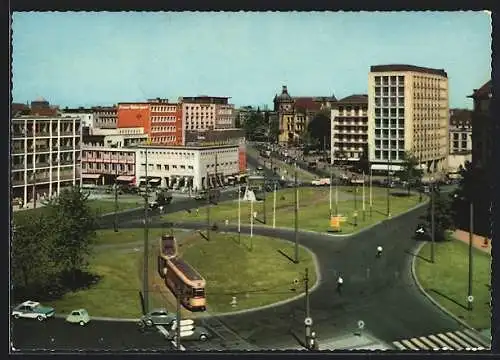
<point>295,113</point>
<point>460,131</point>
<point>482,127</point>
<point>86,115</point>
<point>105,117</point>
<point>186,167</point>
<point>105,165</point>
<point>407,112</point>
<point>206,113</point>
<point>45,156</point>
<point>349,129</point>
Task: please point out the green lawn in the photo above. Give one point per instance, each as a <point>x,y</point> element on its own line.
<point>120,268</point>
<point>313,209</point>
<point>101,206</point>
<point>253,271</point>
<point>447,279</point>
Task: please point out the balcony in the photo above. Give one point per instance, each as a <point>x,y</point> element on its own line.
<point>42,134</point>
<point>66,162</point>
<point>66,147</point>
<point>42,164</point>
<point>40,149</point>
<point>18,166</point>
<point>17,182</point>
<point>17,150</point>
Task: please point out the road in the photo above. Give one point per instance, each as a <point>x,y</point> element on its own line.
<point>378,291</point>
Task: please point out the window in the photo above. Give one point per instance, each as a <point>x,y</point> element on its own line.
<point>158,167</point>
<point>377,123</point>
<point>401,123</point>
<point>464,145</point>
<point>455,136</point>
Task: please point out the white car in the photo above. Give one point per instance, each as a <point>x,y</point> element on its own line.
<point>33,310</point>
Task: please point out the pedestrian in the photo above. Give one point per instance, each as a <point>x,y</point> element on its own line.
<point>379,251</point>
<point>197,211</point>
<point>340,282</point>
<point>227,222</point>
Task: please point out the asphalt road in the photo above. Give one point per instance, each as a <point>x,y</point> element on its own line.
<point>378,291</point>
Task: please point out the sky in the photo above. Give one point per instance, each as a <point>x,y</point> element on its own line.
<point>102,58</point>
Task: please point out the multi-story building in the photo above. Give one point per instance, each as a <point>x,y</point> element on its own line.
<point>242,114</point>
<point>166,123</point>
<point>41,107</point>
<point>482,127</point>
<point>45,156</point>
<point>349,129</point>
<point>407,112</point>
<point>460,131</point>
<point>295,113</point>
<point>159,119</point>
<point>206,113</point>
<point>105,165</point>
<point>87,116</point>
<point>196,168</point>
<point>105,117</point>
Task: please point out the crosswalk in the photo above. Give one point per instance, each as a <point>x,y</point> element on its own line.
<point>460,340</point>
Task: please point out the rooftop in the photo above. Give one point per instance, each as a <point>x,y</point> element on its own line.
<point>355,99</point>
<point>484,91</point>
<point>405,67</point>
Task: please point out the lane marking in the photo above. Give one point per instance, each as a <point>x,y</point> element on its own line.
<point>476,337</point>
<point>430,343</point>
<point>450,342</point>
<point>419,343</point>
<point>408,344</point>
<point>470,340</point>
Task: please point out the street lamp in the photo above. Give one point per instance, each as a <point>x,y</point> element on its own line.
<point>433,226</point>
<point>115,224</point>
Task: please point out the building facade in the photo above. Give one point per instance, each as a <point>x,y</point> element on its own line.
<point>166,123</point>
<point>105,117</point>
<point>295,113</point>
<point>349,129</point>
<point>104,165</point>
<point>194,168</point>
<point>482,127</point>
<point>407,112</point>
<point>206,113</point>
<point>460,131</point>
<point>45,156</point>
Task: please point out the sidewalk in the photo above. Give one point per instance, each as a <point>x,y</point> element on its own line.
<point>477,241</point>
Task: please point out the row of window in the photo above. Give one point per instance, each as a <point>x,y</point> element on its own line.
<point>394,144</point>
<point>163,129</point>
<point>390,101</point>
<point>393,113</point>
<point>104,166</point>
<point>384,123</point>
<point>464,136</point>
<point>459,145</point>
<point>166,167</point>
<point>168,108</point>
<point>393,80</point>
<point>163,119</point>
<point>384,155</point>
<point>163,139</point>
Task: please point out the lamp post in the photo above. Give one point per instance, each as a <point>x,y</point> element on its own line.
<point>145,280</point>
<point>389,168</point>
<point>115,223</point>
<point>239,213</point>
<point>364,208</point>
<point>296,258</point>
<point>471,235</point>
<point>274,205</point>
<point>433,225</point>
<point>371,193</point>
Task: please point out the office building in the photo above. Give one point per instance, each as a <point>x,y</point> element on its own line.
<point>105,165</point>
<point>482,127</point>
<point>407,112</point>
<point>194,168</point>
<point>207,113</point>
<point>349,129</point>
<point>460,131</point>
<point>105,117</point>
<point>45,156</point>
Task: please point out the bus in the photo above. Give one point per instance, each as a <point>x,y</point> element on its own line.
<point>179,275</point>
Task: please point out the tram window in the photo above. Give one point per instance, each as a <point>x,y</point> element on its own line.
<point>198,292</point>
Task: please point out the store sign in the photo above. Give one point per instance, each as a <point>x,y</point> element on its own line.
<point>133,107</point>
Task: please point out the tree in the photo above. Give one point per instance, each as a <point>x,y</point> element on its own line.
<point>443,215</point>
<point>410,172</point>
<point>73,224</point>
<point>363,163</point>
<point>32,266</point>
<point>255,126</point>
<point>319,130</point>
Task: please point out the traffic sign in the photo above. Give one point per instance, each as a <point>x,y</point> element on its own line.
<point>361,324</point>
<point>308,321</point>
<point>470,298</point>
<point>187,327</point>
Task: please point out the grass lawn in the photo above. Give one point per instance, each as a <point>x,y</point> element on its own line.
<point>447,279</point>
<point>256,274</point>
<point>101,206</point>
<point>120,269</point>
<point>313,209</point>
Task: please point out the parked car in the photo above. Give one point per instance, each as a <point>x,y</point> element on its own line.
<point>33,310</point>
<point>156,317</point>
<point>79,316</point>
<point>199,333</point>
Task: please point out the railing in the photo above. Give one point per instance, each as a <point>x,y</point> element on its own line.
<point>17,166</point>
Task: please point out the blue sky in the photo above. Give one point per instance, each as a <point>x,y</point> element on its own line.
<point>83,59</point>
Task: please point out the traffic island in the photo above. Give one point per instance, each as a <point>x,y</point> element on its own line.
<point>314,209</point>
<point>446,281</point>
<point>237,273</point>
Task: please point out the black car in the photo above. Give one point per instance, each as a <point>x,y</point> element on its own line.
<point>420,231</point>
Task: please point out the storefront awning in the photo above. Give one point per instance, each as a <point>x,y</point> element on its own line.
<point>125,178</point>
<point>91,176</point>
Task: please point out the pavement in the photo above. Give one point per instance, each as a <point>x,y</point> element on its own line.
<point>378,291</point>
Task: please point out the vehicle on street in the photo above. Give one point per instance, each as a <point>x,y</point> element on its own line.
<point>199,333</point>
<point>420,232</point>
<point>33,310</point>
<point>79,316</point>
<point>156,317</point>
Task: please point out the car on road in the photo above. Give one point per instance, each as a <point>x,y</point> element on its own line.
<point>199,333</point>
<point>156,317</point>
<point>79,316</point>
<point>33,310</point>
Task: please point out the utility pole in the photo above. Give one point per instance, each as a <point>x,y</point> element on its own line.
<point>308,307</point>
<point>274,205</point>
<point>239,213</point>
<point>209,197</point>
<point>115,224</point>
<point>364,208</point>
<point>178,317</point>
<point>389,167</point>
<point>433,224</point>
<point>331,178</point>
<point>471,235</point>
<point>336,199</point>
<point>296,218</point>
<point>145,280</point>
<point>371,193</point>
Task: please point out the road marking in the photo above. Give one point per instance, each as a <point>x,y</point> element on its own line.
<point>165,333</point>
<point>474,336</point>
<point>452,341</point>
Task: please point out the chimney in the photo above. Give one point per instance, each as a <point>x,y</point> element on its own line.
<point>284,89</point>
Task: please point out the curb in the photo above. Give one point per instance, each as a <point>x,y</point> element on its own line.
<point>100,318</point>
<point>430,298</point>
